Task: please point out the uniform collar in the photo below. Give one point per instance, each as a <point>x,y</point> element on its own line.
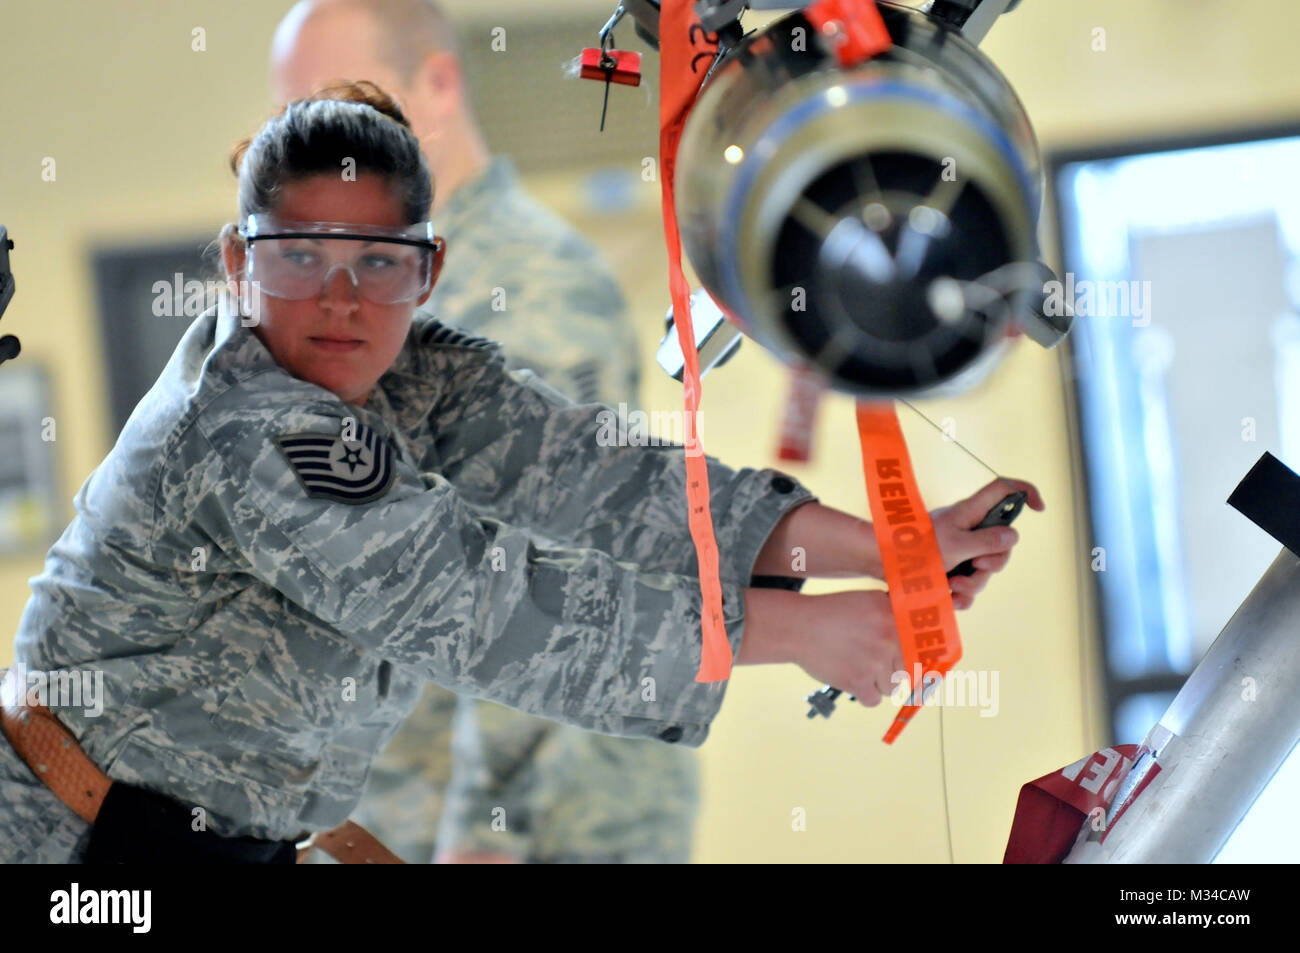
<point>410,387</point>
<point>498,177</point>
<point>236,348</point>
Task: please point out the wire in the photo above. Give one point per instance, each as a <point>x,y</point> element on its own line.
<point>943,773</point>
<point>950,439</point>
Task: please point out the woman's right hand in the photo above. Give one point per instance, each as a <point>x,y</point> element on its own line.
<point>851,644</point>
<point>855,647</point>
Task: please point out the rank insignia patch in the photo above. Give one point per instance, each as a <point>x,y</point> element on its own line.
<point>354,471</point>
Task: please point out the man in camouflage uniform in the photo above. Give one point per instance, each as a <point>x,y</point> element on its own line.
<point>522,788</point>
<point>259,639</point>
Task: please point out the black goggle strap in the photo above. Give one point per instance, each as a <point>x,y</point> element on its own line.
<point>434,244</point>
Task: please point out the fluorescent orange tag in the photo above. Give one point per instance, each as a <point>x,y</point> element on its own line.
<point>685,53</point>
<point>918,583</point>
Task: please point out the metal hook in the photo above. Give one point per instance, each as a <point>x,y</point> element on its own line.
<point>607,31</point>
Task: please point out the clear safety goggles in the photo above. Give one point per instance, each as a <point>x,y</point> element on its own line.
<point>297,260</point>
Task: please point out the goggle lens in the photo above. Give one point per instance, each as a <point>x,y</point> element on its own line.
<point>298,268</point>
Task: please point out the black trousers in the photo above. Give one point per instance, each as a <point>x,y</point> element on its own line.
<point>135,826</point>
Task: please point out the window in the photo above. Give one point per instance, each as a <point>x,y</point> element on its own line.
<point>1183,261</point>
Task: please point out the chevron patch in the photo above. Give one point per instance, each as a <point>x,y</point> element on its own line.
<point>355,471</point>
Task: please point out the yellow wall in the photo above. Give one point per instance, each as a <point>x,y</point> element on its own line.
<point>140,127</point>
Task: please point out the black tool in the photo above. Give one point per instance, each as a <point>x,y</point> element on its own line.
<point>822,701</point>
<point>9,346</point>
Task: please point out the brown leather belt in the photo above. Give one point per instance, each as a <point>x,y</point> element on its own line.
<point>349,843</point>
<point>54,756</point>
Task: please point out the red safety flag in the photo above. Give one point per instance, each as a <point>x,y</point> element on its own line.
<point>1051,810</point>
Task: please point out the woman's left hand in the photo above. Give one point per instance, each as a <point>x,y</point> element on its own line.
<point>990,548</point>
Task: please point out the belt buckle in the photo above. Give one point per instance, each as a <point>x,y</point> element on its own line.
<point>304,844</point>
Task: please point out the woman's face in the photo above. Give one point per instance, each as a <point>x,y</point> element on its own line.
<point>339,340</point>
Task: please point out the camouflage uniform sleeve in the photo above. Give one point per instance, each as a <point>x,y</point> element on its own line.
<point>482,605</point>
<point>517,449</point>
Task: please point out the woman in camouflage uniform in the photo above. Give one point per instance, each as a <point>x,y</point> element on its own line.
<point>319,506</point>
